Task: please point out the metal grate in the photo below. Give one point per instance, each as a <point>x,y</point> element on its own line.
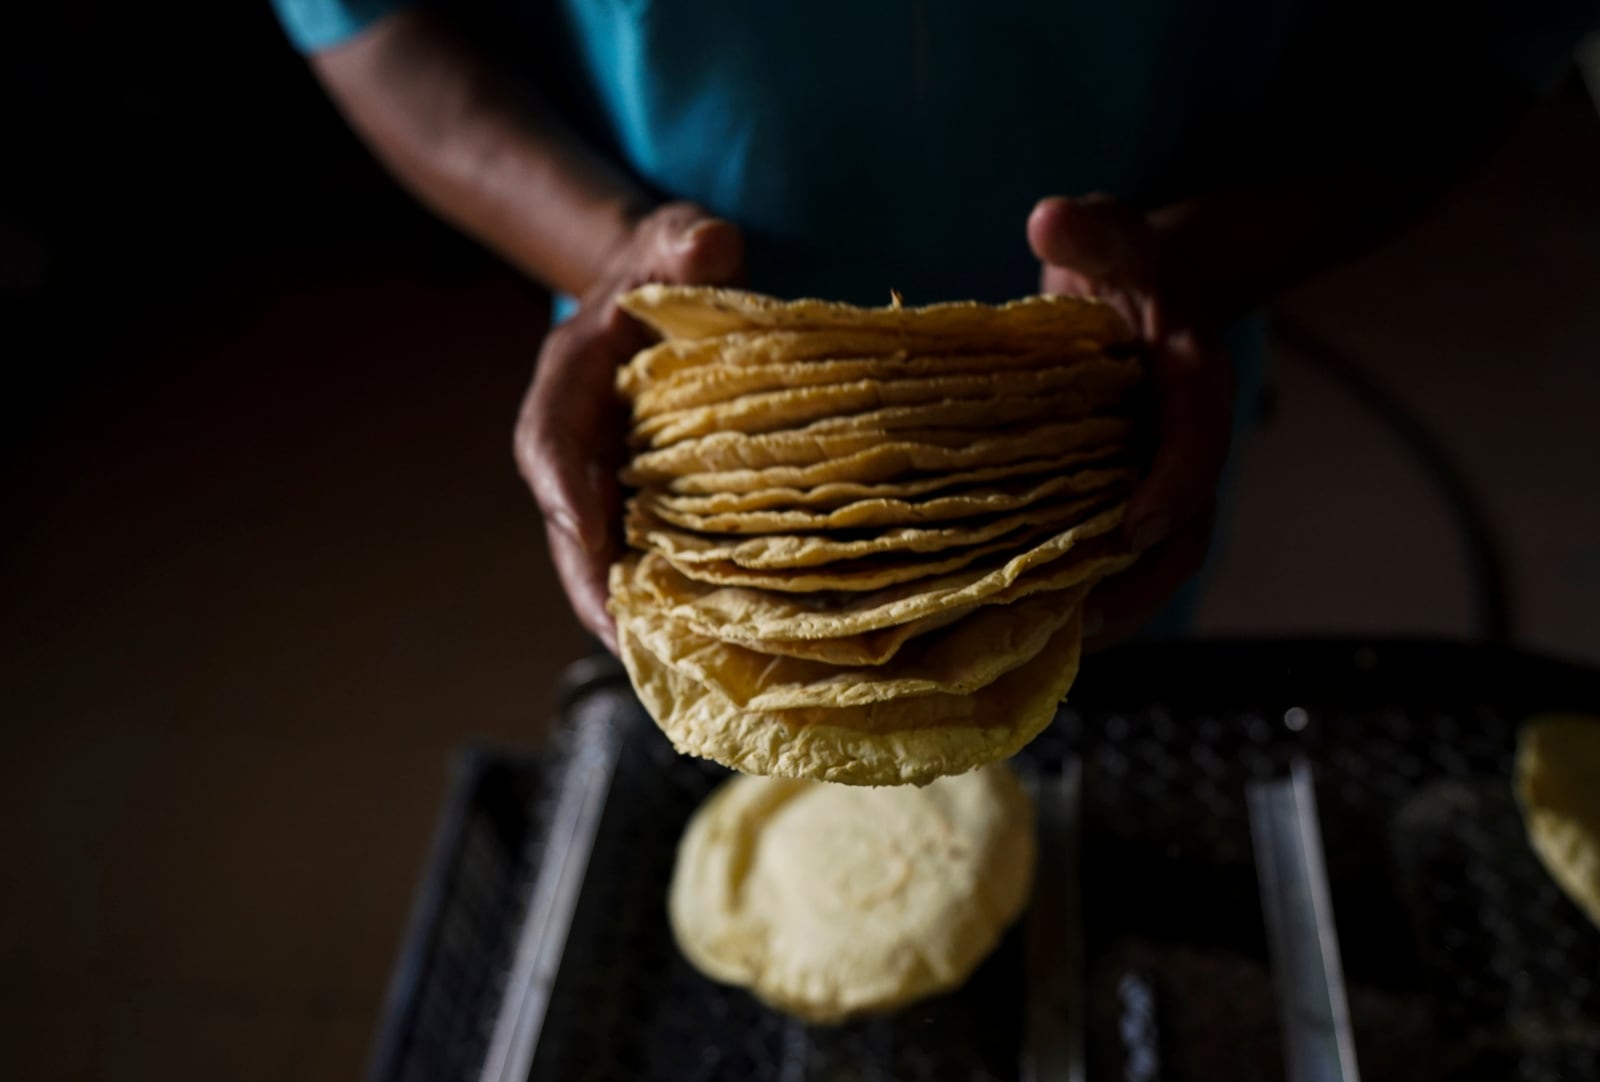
<point>1463,961</point>
<point>448,983</point>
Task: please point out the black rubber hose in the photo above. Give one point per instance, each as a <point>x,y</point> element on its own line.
<point>1486,566</point>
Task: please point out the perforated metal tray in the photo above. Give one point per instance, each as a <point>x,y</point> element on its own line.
<point>1463,960</point>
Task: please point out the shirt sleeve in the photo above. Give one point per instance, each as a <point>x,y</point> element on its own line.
<point>318,24</point>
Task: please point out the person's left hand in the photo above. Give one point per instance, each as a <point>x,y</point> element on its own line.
<point>1095,247</point>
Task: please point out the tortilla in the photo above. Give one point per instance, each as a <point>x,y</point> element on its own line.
<point>710,382</point>
<point>1558,788</point>
<point>888,511</point>
<point>695,312</point>
<point>1076,390</point>
<point>765,620</point>
<point>829,902</point>
<point>969,654</point>
<point>833,494</point>
<point>633,592</point>
<point>862,457</point>
<point>864,574</point>
<point>898,742</point>
<point>783,551</point>
<point>745,355</point>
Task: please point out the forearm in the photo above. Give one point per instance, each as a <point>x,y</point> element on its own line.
<point>501,168</point>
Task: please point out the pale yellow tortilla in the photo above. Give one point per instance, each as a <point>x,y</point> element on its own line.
<point>680,496</point>
<point>682,361</point>
<point>1078,390</point>
<point>1558,787</point>
<point>716,379</point>
<point>886,511</point>
<point>898,742</point>
<point>697,312</point>
<point>830,902</point>
<point>634,589</point>
<point>755,618</point>
<point>969,654</point>
<point>738,462</point>
<point>783,551</point>
<point>867,573</point>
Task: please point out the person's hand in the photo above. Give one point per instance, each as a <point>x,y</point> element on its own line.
<point>569,440</point>
<point>1094,247</point>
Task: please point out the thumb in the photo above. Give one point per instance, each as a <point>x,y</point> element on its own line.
<point>1094,236</point>
<point>568,432</point>
<point>708,251</point>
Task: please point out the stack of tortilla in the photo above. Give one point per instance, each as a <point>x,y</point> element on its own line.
<point>864,536</point>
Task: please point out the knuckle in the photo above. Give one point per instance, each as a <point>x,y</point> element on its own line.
<point>537,451</point>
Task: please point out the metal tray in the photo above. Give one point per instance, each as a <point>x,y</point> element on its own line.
<point>1462,959</point>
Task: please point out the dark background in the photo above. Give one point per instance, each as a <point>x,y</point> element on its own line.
<point>157,163</point>
<point>265,561</point>
<point>264,556</point>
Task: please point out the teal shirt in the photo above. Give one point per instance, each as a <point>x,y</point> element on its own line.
<point>900,144</point>
<point>870,145</point>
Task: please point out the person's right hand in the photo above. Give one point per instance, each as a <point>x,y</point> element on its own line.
<point>1096,247</point>
<point>569,440</point>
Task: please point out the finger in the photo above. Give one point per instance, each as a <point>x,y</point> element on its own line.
<point>682,251</point>
<point>583,578</point>
<point>1194,418</point>
<point>562,487</point>
<point>1061,282</point>
<point>569,436</point>
<point>1093,236</point>
<point>1120,606</point>
<point>1093,247</point>
<point>710,252</point>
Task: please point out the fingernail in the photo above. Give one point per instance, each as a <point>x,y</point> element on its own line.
<point>1149,533</point>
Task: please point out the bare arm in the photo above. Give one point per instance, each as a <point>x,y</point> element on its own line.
<point>493,163</point>
<point>503,167</point>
